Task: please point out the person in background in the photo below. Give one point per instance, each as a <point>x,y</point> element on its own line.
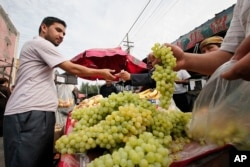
<point>12,88</point>
<point>180,93</point>
<point>210,44</point>
<point>75,92</point>
<point>108,88</point>
<point>29,119</point>
<point>4,96</point>
<point>235,46</point>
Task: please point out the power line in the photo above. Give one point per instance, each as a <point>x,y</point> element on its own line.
<point>150,16</point>
<point>135,21</point>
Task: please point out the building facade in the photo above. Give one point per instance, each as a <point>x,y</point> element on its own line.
<point>9,37</point>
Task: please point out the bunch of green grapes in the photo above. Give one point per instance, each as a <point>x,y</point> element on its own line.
<point>170,125</point>
<point>162,127</point>
<point>115,129</point>
<point>179,132</point>
<point>179,121</point>
<point>144,150</point>
<point>163,74</point>
<point>93,115</point>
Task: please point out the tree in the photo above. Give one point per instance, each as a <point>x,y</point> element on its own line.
<point>89,90</point>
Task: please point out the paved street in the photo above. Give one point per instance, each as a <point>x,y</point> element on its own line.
<point>1,153</point>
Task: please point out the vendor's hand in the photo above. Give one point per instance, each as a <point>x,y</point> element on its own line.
<point>124,75</point>
<point>179,55</point>
<point>241,69</point>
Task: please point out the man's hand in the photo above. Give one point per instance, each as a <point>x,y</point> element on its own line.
<point>124,75</point>
<point>107,74</point>
<point>179,55</point>
<point>241,69</point>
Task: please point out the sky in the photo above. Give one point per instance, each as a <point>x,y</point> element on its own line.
<point>108,23</point>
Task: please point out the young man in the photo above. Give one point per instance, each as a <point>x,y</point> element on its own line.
<point>211,44</point>
<point>30,112</point>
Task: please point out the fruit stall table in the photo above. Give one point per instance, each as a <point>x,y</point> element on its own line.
<point>193,155</point>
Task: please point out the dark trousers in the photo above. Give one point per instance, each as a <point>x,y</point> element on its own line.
<point>2,108</point>
<point>28,139</point>
<point>181,101</point>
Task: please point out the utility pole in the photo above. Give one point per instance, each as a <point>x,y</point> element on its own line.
<point>128,44</point>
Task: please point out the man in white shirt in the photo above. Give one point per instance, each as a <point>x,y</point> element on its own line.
<point>30,112</point>
<point>180,93</point>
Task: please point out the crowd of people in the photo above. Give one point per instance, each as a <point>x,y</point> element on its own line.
<point>29,117</point>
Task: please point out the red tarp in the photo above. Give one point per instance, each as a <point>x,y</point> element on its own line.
<point>112,58</point>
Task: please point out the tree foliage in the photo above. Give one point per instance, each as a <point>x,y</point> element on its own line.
<point>89,90</point>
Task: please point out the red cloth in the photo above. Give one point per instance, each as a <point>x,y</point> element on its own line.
<point>111,58</point>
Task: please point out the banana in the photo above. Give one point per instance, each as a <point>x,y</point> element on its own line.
<point>144,93</point>
<point>156,96</point>
<point>152,94</point>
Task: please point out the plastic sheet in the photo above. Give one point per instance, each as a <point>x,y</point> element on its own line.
<point>221,111</point>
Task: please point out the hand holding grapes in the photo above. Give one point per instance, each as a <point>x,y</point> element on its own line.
<point>179,55</point>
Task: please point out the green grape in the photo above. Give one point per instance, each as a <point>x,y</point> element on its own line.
<point>132,130</point>
<point>163,74</point>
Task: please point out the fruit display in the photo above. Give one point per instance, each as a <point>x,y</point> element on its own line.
<point>65,103</point>
<point>130,129</point>
<point>89,102</point>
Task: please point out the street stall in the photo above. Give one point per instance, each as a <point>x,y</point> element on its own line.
<point>217,25</point>
<point>146,128</point>
<point>93,58</point>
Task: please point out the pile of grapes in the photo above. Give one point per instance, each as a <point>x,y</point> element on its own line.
<point>131,129</point>
<point>163,74</point>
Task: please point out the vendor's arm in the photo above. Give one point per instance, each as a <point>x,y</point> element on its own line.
<point>202,63</point>
<point>143,79</point>
<point>82,71</point>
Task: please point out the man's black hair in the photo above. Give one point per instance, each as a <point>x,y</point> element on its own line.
<point>48,21</point>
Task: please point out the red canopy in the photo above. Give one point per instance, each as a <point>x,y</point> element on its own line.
<point>112,58</point>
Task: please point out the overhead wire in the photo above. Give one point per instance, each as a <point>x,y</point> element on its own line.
<point>155,10</point>
<point>135,21</point>
<point>157,15</point>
